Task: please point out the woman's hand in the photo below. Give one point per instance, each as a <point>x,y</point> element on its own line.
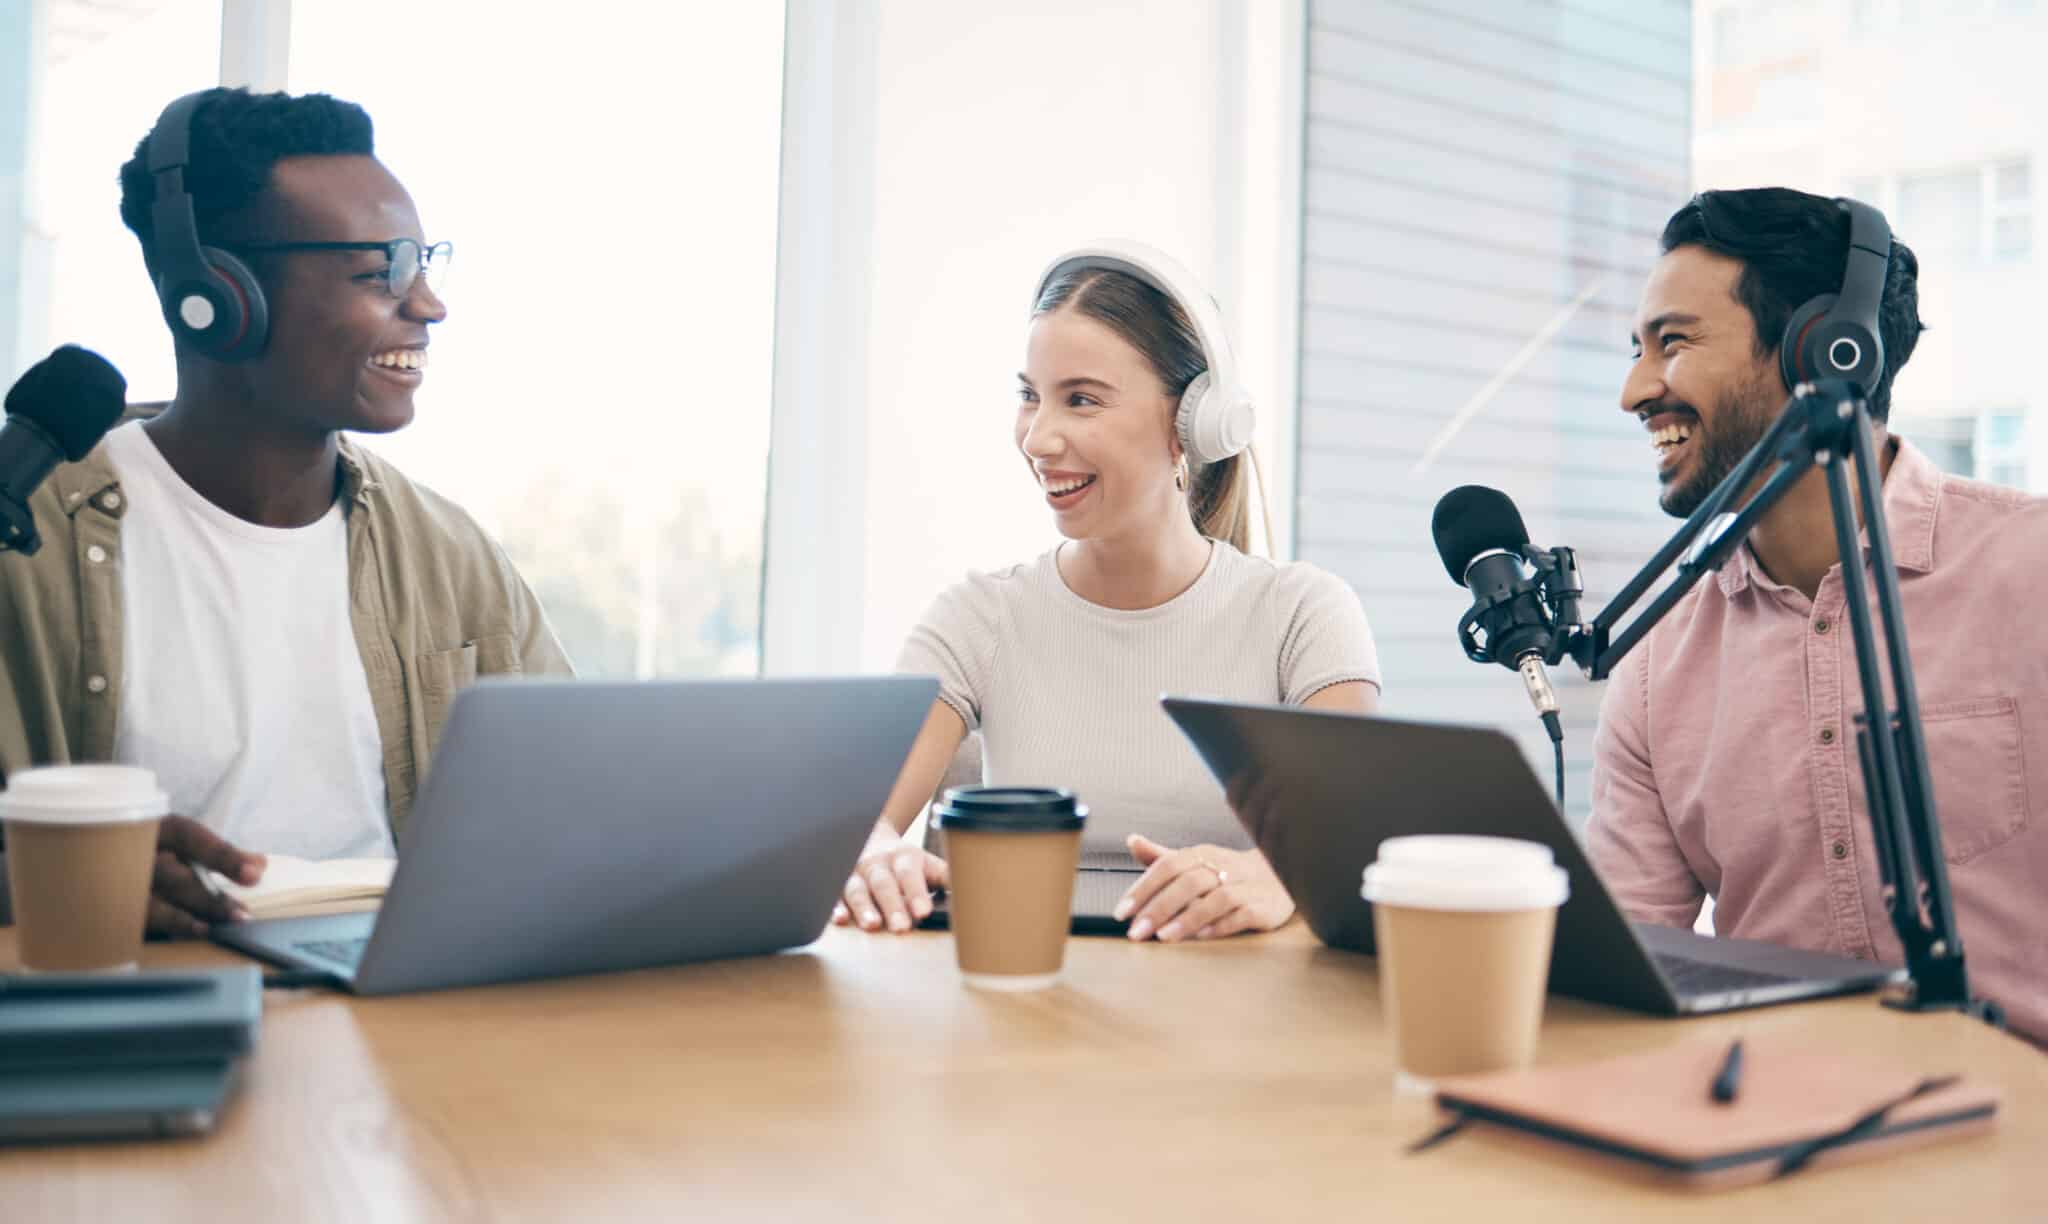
<point>891,886</point>
<point>1201,892</point>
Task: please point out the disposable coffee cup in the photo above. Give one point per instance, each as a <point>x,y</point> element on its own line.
<point>1011,853</point>
<point>1464,927</point>
<point>81,845</point>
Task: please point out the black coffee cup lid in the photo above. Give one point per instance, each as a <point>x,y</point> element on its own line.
<point>1018,808</point>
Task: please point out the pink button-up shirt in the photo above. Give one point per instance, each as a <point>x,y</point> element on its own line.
<point>1726,762</point>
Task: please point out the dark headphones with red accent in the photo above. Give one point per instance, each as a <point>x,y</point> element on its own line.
<point>210,298</point>
<point>1836,335</point>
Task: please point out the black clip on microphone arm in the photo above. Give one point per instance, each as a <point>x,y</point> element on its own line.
<point>1536,603</point>
<point>1825,423</point>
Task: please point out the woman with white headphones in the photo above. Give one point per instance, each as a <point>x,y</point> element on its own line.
<point>1135,430</point>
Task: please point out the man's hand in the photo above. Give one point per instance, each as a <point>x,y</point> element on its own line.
<point>1201,892</point>
<point>180,904</point>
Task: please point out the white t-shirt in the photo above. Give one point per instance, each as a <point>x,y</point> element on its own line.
<point>1066,692</point>
<point>242,685</point>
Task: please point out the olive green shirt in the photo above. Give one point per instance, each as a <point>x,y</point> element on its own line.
<point>434,601</point>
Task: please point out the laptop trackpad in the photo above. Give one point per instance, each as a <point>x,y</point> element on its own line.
<point>331,942</point>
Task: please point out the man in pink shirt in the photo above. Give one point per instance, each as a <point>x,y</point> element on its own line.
<point>1726,762</point>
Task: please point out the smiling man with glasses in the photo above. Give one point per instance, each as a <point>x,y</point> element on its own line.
<point>233,593</point>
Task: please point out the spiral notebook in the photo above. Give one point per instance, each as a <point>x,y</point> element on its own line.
<point>1797,1106</point>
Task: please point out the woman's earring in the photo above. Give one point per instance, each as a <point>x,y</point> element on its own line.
<point>1180,474</point>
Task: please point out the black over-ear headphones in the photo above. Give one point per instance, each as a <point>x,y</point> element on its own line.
<point>1836,335</point>
<point>210,299</point>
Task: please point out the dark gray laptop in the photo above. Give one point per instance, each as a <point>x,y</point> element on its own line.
<point>585,827</point>
<point>1321,791</point>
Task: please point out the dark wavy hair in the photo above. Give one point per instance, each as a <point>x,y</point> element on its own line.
<point>237,137</point>
<point>1792,247</point>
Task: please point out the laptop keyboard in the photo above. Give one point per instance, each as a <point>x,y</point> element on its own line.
<point>1691,978</point>
<point>340,951</point>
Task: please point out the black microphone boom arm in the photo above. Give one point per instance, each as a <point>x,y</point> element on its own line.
<point>1826,423</point>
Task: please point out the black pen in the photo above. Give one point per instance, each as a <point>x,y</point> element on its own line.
<point>1730,1079</point>
<point>91,987</point>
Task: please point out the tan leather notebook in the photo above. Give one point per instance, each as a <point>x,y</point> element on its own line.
<point>1795,1105</point>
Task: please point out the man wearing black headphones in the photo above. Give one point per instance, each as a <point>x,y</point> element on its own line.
<point>1726,761</point>
<point>231,592</point>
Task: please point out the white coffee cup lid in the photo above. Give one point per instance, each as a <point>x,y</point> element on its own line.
<point>1465,873</point>
<point>83,794</point>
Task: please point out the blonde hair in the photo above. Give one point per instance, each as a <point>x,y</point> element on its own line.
<point>1221,501</point>
<point>1219,494</point>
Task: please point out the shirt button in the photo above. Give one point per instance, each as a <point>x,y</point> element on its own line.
<point>1827,735</point>
<point>96,684</point>
<point>1821,625</point>
<point>96,554</point>
<point>111,501</point>
<point>1840,850</point>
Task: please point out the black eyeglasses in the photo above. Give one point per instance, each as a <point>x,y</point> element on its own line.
<point>405,260</point>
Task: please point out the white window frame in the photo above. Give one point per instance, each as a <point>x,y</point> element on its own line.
<point>1991,209</point>
<point>1996,210</point>
<point>255,43</point>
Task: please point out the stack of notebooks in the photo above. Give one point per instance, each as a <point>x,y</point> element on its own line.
<point>136,1055</point>
<point>1791,1106</point>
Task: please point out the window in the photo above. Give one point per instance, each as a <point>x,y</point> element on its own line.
<point>599,395</point>
<point>1728,47</point>
<point>1477,233</point>
<point>1991,445</point>
<point>2001,446</point>
<point>1961,196</point>
<point>1970,213</point>
<point>1942,213</point>
<point>1951,442</point>
<point>2012,221</point>
<point>81,82</point>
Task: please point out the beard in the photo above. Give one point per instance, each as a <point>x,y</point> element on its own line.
<point>1741,418</point>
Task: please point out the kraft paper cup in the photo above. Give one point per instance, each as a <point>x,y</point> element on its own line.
<point>81,846</point>
<point>1464,927</point>
<point>1011,853</point>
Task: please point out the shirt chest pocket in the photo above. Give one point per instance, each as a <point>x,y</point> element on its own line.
<point>1978,758</point>
<point>444,673</point>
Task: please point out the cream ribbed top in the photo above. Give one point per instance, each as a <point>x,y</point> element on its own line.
<point>1066,693</point>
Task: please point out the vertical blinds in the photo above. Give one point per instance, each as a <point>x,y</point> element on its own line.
<point>1484,189</point>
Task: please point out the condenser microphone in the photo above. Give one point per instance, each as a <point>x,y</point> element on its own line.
<point>1481,539</point>
<point>57,412</point>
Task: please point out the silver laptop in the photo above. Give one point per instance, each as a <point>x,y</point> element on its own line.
<point>572,827</point>
<point>1321,791</point>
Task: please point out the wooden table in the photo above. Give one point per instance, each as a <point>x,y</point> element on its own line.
<point>1244,1080</point>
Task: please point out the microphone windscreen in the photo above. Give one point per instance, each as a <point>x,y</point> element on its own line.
<point>1473,519</point>
<point>75,395</point>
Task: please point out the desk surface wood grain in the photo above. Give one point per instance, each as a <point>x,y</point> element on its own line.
<point>857,1079</point>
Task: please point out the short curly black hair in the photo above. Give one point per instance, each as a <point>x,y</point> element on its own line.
<point>237,136</point>
<point>1793,246</point>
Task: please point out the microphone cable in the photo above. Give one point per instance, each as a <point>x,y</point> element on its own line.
<point>1551,725</point>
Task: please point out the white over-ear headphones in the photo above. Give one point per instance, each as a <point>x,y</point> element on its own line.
<point>1215,420</point>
